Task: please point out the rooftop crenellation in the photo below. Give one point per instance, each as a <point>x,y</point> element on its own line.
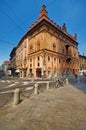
<point>44,16</point>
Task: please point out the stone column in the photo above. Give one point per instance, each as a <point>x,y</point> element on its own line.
<point>36,89</point>
<point>16,96</point>
<point>47,86</point>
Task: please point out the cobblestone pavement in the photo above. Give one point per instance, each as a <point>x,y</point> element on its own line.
<point>61,108</point>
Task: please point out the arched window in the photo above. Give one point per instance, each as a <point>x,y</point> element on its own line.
<point>54,47</point>
<point>49,58</point>
<point>67,48</point>
<point>38,58</point>
<point>55,59</point>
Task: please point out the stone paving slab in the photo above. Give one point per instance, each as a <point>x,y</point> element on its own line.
<point>63,108</point>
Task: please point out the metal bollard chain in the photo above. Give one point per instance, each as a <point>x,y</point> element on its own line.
<point>41,90</point>
<point>29,94</point>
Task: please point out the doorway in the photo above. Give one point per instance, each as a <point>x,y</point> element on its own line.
<point>38,72</point>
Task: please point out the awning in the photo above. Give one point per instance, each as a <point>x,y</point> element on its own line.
<point>17,71</point>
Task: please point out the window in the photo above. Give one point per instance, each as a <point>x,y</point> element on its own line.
<point>49,58</point>
<point>67,48</point>
<point>38,64</point>
<point>55,72</point>
<point>49,72</point>
<point>30,65</point>
<point>54,47</point>
<point>38,58</point>
<point>54,59</point>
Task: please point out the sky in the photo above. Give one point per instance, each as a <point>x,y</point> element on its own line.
<point>16,16</point>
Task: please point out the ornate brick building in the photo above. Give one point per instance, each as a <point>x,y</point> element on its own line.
<point>47,49</point>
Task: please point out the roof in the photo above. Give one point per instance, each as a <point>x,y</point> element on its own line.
<point>13,51</point>
<point>6,62</point>
<point>44,16</point>
<point>82,56</point>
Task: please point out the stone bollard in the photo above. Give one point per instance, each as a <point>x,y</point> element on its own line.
<point>67,81</point>
<point>36,89</point>
<point>47,86</point>
<point>16,96</point>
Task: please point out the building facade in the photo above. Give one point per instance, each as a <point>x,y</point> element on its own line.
<point>22,57</point>
<point>82,62</point>
<point>47,50</point>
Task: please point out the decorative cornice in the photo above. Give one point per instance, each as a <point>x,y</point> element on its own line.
<point>45,19</point>
<point>44,16</point>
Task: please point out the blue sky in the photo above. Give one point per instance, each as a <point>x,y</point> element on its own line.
<point>16,16</point>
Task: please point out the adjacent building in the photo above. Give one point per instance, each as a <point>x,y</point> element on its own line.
<point>82,62</point>
<point>13,62</point>
<point>46,50</point>
<point>6,68</point>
